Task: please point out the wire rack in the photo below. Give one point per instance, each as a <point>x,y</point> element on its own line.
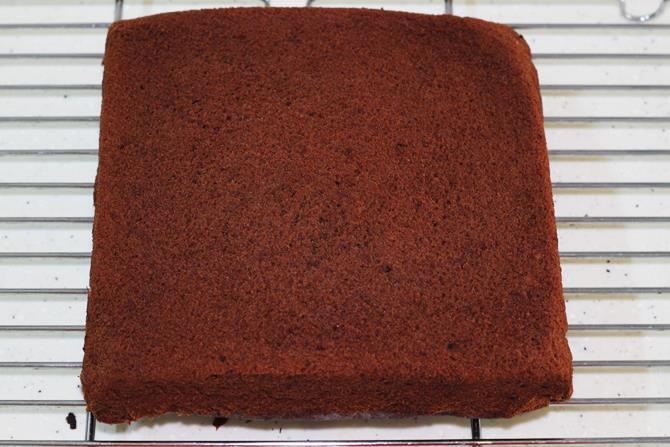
<point>606,93</point>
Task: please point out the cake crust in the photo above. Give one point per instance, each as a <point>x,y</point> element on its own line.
<point>308,213</point>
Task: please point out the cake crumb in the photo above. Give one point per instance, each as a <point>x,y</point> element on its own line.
<point>71,419</point>
<point>219,421</point>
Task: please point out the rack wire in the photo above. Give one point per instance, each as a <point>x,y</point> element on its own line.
<point>610,162</point>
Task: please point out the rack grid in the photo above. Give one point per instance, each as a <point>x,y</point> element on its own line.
<point>605,81</point>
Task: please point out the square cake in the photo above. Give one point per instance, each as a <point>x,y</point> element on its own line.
<point>311,213</point>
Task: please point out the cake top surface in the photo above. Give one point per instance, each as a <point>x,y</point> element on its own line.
<point>305,191</point>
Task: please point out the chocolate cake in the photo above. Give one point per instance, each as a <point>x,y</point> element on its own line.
<point>311,213</point>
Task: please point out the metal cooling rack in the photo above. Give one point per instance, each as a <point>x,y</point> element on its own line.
<point>606,92</point>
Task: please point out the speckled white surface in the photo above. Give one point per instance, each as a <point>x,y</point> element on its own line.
<point>568,421</point>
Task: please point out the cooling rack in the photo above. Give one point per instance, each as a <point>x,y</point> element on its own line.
<point>605,75</point>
